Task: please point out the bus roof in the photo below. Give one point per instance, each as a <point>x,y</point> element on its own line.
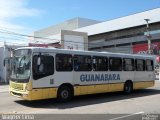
<point>42,49</point>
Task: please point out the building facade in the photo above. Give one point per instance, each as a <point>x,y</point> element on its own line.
<point>129,40</point>
<point>63,36</point>
<point>126,34</point>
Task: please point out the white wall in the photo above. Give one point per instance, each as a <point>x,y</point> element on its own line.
<point>73,42</point>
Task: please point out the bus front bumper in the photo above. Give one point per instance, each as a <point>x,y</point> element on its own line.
<point>35,94</point>
<point>23,95</point>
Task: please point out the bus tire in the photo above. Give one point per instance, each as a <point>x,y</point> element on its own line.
<point>64,94</point>
<point>128,87</point>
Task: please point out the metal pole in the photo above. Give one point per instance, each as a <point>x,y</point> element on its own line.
<point>148,36</point>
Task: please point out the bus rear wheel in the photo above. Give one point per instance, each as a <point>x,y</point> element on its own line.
<point>128,87</point>
<point>64,94</point>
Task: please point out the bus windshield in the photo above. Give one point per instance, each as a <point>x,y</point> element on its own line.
<point>21,65</point>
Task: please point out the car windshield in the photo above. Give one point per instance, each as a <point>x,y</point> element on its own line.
<point>21,65</point>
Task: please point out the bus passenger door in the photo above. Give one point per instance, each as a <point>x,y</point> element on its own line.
<point>43,70</point>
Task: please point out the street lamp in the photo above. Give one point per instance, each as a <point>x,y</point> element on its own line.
<point>148,35</point>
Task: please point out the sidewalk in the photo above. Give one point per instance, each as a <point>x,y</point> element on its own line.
<point>4,88</point>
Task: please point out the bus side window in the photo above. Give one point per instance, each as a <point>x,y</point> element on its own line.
<point>64,62</point>
<point>45,68</point>
<point>82,63</point>
<point>115,64</point>
<point>140,65</point>
<point>128,64</point>
<point>100,63</point>
<point>149,65</point>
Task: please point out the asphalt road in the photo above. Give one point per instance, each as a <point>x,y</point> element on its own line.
<point>112,106</point>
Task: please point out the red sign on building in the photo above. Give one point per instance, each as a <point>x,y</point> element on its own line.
<point>57,45</point>
<point>143,48</point>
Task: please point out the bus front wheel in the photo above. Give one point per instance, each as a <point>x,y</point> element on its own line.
<point>128,87</point>
<point>64,94</point>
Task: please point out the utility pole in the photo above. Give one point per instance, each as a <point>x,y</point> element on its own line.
<point>148,35</point>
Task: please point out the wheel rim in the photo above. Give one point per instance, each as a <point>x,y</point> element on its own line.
<point>64,94</point>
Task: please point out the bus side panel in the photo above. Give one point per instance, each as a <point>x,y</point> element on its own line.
<point>141,76</point>
<point>53,92</point>
<point>77,90</point>
<point>101,88</point>
<point>89,86</point>
<point>91,89</point>
<point>62,78</point>
<point>117,84</point>
<point>116,87</point>
<point>142,85</point>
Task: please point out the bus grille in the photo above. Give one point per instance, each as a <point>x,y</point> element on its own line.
<point>17,86</point>
<point>17,94</point>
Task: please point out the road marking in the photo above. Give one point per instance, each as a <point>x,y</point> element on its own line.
<point>127,116</point>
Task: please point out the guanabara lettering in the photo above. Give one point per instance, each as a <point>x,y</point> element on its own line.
<point>99,77</point>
